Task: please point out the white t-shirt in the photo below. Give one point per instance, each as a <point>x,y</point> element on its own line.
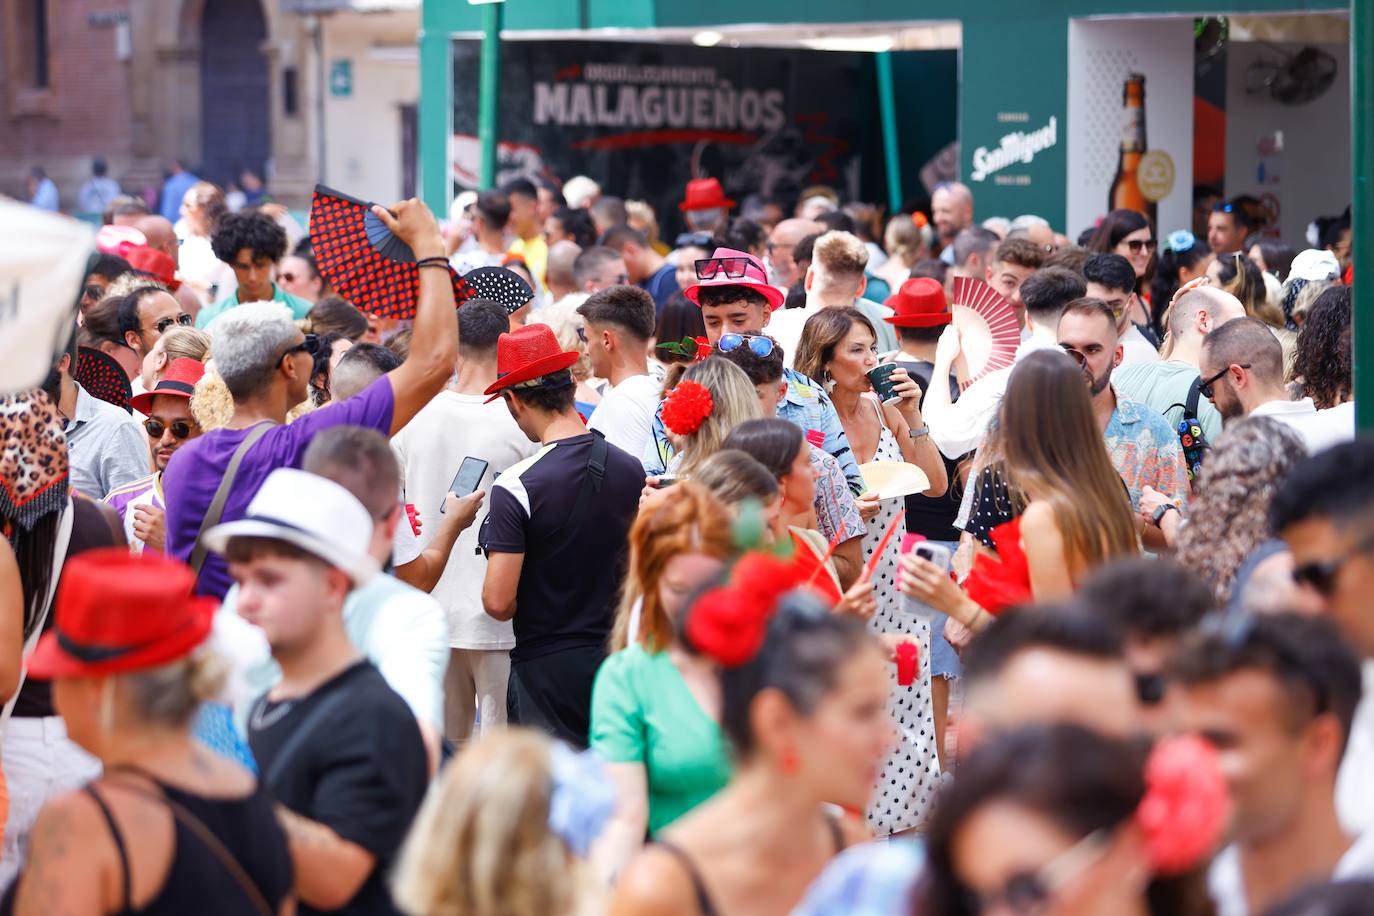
<point>1226,884</point>
<point>625,415</point>
<point>1136,348</point>
<point>1354,788</point>
<point>1320,429</point>
<point>431,448</point>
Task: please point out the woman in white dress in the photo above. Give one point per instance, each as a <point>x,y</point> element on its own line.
<point>838,347</point>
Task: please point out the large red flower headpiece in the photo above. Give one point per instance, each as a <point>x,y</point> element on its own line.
<point>729,624</point>
<point>1186,805</point>
<point>686,407</point>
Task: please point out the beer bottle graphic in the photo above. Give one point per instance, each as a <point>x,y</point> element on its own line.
<point>1126,193</point>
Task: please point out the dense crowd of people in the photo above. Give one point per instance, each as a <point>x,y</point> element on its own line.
<point>728,576</point>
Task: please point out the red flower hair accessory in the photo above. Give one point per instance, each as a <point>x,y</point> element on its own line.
<point>1186,805</point>
<point>686,407</point>
<point>696,348</point>
<point>729,624</point>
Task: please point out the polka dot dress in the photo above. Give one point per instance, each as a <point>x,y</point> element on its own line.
<point>909,776</point>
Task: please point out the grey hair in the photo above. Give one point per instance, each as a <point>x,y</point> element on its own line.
<point>247,341</point>
<point>1024,223</point>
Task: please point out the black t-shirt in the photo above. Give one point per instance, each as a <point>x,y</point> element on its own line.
<point>572,569</point>
<point>91,529</point>
<point>350,756</point>
<point>933,516</point>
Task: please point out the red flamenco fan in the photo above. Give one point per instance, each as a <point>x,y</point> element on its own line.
<point>988,329</point>
<point>996,584</point>
<point>376,271</point>
<point>103,378</point>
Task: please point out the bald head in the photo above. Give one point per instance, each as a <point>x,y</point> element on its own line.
<point>159,233</point>
<point>562,256</point>
<point>781,243</point>
<point>1201,310</point>
<point>951,209</point>
<point>792,231</point>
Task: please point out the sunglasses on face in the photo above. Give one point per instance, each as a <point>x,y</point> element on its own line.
<point>93,293</point>
<point>1138,245</point>
<point>1077,355</point>
<point>181,429</point>
<point>1322,574</point>
<point>1027,893</point>
<point>1205,387</point>
<point>732,268</point>
<point>184,320</point>
<point>311,345</point>
<point>761,347</point>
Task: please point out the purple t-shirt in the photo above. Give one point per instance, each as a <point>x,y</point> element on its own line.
<point>194,473</point>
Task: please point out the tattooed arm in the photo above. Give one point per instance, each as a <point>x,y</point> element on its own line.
<point>329,869</point>
<point>73,868</point>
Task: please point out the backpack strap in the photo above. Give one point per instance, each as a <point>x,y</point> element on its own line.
<point>1194,397</point>
<point>226,483</point>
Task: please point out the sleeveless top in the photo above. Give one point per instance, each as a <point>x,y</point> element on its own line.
<point>704,903</point>
<point>200,880</point>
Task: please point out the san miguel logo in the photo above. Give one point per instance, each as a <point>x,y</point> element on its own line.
<point>655,97</point>
<point>1016,148</point>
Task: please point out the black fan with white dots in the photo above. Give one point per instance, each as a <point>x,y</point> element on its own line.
<point>499,285</point>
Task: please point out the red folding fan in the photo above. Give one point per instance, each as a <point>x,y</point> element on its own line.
<point>102,377</point>
<point>988,329</point>
<point>369,266</point>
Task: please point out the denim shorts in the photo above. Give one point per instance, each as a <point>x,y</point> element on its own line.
<point>943,660</point>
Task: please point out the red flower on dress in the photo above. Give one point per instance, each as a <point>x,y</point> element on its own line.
<point>996,584</point>
<point>729,624</point>
<point>686,407</point>
<point>703,348</point>
<point>1186,805</point>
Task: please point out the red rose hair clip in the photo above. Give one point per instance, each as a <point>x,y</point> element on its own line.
<point>686,407</point>
<point>729,624</point>
<point>1186,805</point>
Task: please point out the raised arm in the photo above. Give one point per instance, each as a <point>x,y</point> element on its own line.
<point>434,346</point>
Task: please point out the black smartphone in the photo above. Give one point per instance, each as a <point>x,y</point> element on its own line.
<point>469,475</point>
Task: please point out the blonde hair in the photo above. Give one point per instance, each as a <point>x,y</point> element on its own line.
<point>690,520</point>
<point>481,844</point>
<point>212,405</point>
<point>171,694</point>
<point>186,343</point>
<point>563,317</point>
<point>640,212</point>
<point>904,240</point>
<point>126,283</point>
<point>840,255</point>
<point>734,400</point>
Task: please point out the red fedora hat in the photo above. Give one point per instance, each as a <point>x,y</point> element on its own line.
<point>526,354</point>
<point>919,303</point>
<point>705,194</point>
<point>154,263</point>
<point>118,612</point>
<point>179,381</point>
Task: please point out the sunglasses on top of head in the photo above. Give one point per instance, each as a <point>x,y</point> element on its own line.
<point>761,347</point>
<point>1205,387</point>
<point>731,268</point>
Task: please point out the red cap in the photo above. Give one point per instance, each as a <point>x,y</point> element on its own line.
<point>118,612</point>
<point>528,353</point>
<point>179,381</point>
<point>151,261</point>
<point>919,303</point>
<point>705,194</point>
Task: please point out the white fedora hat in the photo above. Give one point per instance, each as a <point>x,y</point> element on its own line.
<point>310,512</point>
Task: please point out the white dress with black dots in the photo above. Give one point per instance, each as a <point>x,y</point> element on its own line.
<point>910,774</point>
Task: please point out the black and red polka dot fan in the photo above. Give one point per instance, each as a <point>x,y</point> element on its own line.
<point>102,377</point>
<point>376,271</point>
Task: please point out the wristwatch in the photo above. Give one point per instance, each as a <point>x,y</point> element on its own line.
<point>1158,515</point>
<point>918,432</point>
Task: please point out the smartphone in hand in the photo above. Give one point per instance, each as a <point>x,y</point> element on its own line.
<point>469,476</point>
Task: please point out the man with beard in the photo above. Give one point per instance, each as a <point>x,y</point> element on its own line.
<point>1143,446</point>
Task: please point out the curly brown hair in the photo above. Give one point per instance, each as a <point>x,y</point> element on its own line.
<point>1229,517</point>
<point>1322,360</point>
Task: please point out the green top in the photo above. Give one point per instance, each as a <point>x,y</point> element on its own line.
<point>1161,385</point>
<point>299,307</point>
<point>643,712</point>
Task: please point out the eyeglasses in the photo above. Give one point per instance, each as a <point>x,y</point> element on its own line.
<point>761,347</point>
<point>1138,245</point>
<point>733,268</point>
<point>181,429</point>
<point>1180,240</point>
<point>1027,893</point>
<point>184,320</point>
<point>1205,387</point>
<point>1322,574</point>
<point>311,345</point>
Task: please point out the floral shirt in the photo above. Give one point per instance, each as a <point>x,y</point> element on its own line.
<point>1145,451</point>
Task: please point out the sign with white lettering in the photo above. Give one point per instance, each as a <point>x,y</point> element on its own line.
<point>1013,149</point>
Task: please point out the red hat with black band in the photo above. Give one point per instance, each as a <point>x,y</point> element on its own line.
<point>178,381</point>
<point>527,354</point>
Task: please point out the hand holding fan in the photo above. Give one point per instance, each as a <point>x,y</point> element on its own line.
<point>988,329</point>
<point>375,270</point>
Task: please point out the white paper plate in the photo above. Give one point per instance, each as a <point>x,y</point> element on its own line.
<point>894,479</point>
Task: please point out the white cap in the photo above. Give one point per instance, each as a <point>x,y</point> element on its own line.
<point>310,512</point>
<point>1315,265</point>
